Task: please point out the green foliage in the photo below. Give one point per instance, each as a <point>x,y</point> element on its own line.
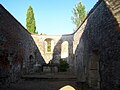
<point>79,14</point>
<point>49,46</point>
<point>63,65</point>
<point>30,21</point>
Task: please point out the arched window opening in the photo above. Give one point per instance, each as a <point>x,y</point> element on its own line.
<point>64,49</point>
<point>31,58</point>
<point>49,45</point>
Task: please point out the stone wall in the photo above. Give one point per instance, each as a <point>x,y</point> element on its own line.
<point>18,51</point>
<point>62,47</point>
<point>97,54</point>
<point>78,47</point>
<point>40,42</point>
<point>66,41</point>
<point>93,50</point>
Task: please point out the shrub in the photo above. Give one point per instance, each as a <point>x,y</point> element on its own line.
<point>63,65</point>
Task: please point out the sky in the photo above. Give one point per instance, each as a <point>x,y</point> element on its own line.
<point>53,17</point>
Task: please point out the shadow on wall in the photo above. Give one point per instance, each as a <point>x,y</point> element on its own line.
<point>64,50</point>
<point>17,49</point>
<point>97,57</point>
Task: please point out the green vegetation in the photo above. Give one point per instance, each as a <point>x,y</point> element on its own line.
<point>48,46</point>
<point>63,65</point>
<point>79,14</point>
<point>30,21</point>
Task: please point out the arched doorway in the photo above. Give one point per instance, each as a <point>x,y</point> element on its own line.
<point>94,76</point>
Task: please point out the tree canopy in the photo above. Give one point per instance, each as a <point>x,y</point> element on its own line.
<point>79,14</point>
<point>30,21</point>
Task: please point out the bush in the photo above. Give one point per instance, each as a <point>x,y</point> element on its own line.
<point>63,65</point>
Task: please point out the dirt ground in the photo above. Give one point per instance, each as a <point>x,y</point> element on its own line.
<point>43,85</point>
<point>59,81</point>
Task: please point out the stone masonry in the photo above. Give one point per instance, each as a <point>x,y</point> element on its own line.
<point>18,51</point>
<point>92,51</point>
<point>97,54</point>
<point>61,47</point>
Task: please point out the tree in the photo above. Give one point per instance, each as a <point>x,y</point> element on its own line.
<point>79,14</point>
<point>30,21</point>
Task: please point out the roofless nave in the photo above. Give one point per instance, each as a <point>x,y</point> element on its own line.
<point>92,51</point>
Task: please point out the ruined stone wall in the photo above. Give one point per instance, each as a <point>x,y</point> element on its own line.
<point>17,49</point>
<point>92,50</point>
<point>40,42</point>
<point>62,47</point>
<point>76,38</point>
<point>68,39</point>
<point>114,6</point>
<point>97,54</point>
<point>77,35</point>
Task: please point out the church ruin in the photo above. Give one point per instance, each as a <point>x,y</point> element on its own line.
<point>92,51</point>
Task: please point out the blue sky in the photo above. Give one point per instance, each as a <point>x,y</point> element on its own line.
<point>52,17</point>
